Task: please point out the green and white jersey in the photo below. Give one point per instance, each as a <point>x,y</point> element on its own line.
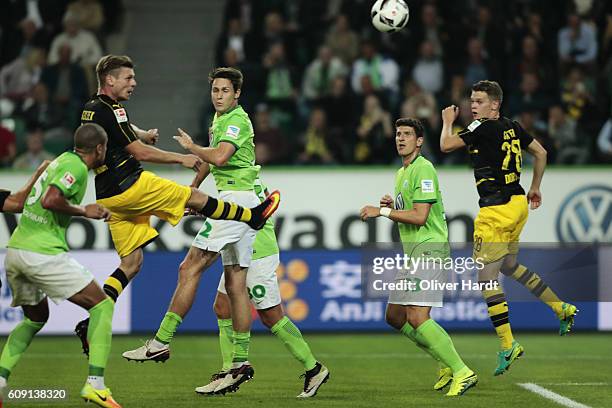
<point>44,231</point>
<point>418,183</point>
<point>265,241</point>
<point>240,172</point>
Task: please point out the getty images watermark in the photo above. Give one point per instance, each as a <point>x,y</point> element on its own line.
<point>411,273</point>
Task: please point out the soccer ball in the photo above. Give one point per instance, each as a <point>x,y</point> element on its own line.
<point>389,16</point>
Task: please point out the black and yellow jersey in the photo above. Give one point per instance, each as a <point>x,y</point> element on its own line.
<point>120,169</point>
<point>495,147</point>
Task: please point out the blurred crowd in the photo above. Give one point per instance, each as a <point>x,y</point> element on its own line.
<point>323,87</point>
<point>48,51</point>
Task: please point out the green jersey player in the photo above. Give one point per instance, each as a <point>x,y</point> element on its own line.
<point>231,160</point>
<point>419,212</point>
<point>38,266</point>
<point>262,285</point>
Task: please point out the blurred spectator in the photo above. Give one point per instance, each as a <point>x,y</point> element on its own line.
<point>576,93</point>
<point>19,40</point>
<point>340,108</point>
<point>8,148</point>
<point>490,33</point>
<point>320,73</point>
<point>342,40</point>
<point>374,134</point>
<point>529,96</point>
<point>316,141</point>
<point>88,13</point>
<point>531,61</point>
<point>280,79</point>
<point>530,122</point>
<point>37,109</point>
<point>85,47</point>
<point>19,77</point>
<point>35,154</point>
<point>422,105</point>
<point>375,71</point>
<point>562,131</point>
<point>431,30</point>
<point>67,86</point>
<point>476,68</point>
<point>274,32</point>
<point>428,72</point>
<point>577,42</point>
<point>457,91</point>
<point>270,144</point>
<point>232,38</point>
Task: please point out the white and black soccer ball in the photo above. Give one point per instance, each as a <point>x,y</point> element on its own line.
<point>389,16</point>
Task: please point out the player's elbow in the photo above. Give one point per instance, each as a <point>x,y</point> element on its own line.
<point>221,160</point>
<point>445,147</point>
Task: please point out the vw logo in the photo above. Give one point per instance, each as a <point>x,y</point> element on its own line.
<point>586,215</point>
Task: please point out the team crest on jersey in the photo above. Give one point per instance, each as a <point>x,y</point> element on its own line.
<point>121,115</point>
<point>232,131</point>
<point>427,186</point>
<point>472,126</point>
<point>68,179</point>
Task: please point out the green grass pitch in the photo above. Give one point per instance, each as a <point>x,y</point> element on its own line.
<point>383,370</point>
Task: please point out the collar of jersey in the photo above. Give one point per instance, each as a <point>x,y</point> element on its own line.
<point>108,99</point>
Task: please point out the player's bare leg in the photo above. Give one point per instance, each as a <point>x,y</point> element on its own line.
<point>190,273</point>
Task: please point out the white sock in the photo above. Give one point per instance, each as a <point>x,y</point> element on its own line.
<point>96,382</point>
<point>157,345</point>
<point>2,382</point>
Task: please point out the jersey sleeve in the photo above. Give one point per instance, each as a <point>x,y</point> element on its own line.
<point>237,131</point>
<point>3,196</point>
<point>424,185</point>
<point>115,122</point>
<point>523,135</point>
<point>69,178</point>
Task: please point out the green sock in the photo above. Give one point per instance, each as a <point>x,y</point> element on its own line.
<point>240,352</point>
<point>168,327</point>
<point>434,337</point>
<point>226,342</point>
<point>408,331</point>
<point>17,344</point>
<point>291,336</point>
<point>99,335</point>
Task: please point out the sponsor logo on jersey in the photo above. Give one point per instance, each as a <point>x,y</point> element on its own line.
<point>427,186</point>
<point>121,115</point>
<point>586,215</point>
<point>68,179</point>
<point>232,131</point>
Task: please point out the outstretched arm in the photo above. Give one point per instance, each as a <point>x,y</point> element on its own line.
<point>143,152</point>
<point>217,156</point>
<point>15,202</point>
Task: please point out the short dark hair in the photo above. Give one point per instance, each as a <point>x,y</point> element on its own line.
<point>233,74</point>
<point>88,136</point>
<point>414,123</point>
<point>108,65</point>
<point>491,88</point>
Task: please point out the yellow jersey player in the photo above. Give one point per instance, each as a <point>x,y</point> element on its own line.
<point>495,144</point>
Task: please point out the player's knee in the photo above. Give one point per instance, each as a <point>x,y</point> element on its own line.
<point>394,320</point>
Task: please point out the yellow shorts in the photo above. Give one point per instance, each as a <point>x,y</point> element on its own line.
<point>497,229</point>
<point>131,210</point>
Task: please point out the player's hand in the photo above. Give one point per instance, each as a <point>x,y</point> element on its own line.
<point>534,197</point>
<point>191,161</point>
<point>184,139</point>
<point>150,136</point>
<point>369,211</point>
<point>97,212</point>
<point>449,114</point>
<point>386,201</point>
